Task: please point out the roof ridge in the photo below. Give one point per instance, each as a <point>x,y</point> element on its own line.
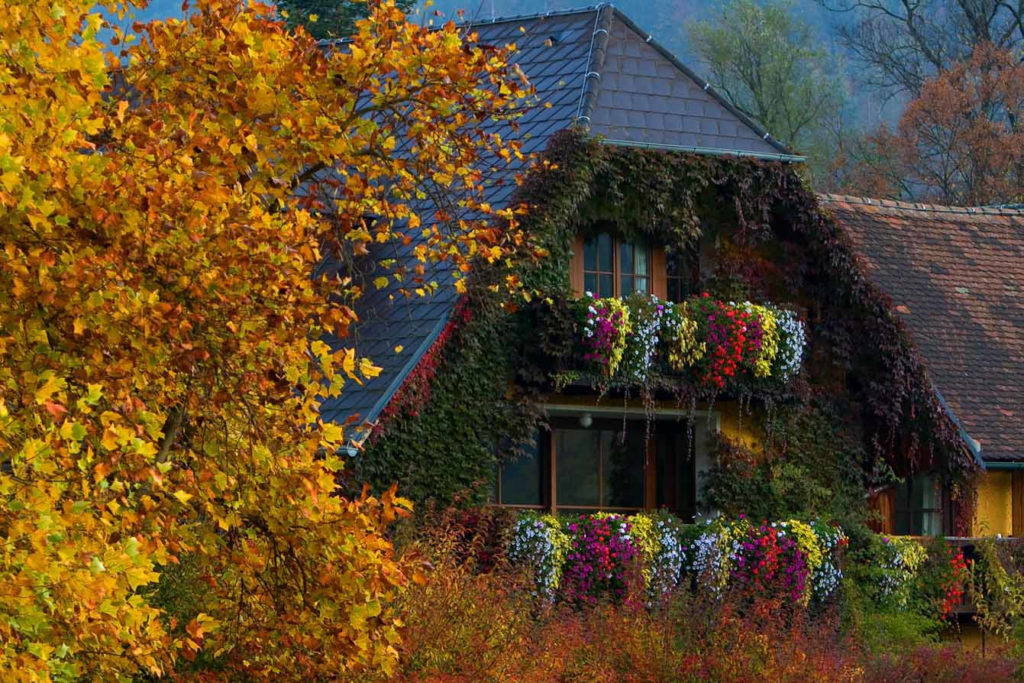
<point>584,9</point>
<point>919,206</point>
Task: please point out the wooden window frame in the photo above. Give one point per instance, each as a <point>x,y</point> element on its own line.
<point>656,263</point>
<point>910,511</point>
<point>549,477</point>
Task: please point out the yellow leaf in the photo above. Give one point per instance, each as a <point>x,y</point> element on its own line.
<point>51,385</point>
<point>183,497</point>
<point>368,369</point>
<point>348,363</point>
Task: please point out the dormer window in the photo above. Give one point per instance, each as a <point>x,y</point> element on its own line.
<point>613,267</point>
<point>610,266</point>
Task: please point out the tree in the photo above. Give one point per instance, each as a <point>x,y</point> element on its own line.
<point>904,43</point>
<point>162,353</point>
<point>334,18</point>
<point>767,63</point>
<point>960,142</point>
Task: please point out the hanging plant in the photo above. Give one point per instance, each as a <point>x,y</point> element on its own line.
<point>679,330</point>
<point>606,327</point>
<point>792,340</point>
<point>645,315</point>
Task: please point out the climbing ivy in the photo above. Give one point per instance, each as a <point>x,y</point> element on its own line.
<point>763,237</point>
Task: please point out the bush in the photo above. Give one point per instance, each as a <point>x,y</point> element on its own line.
<point>465,624</point>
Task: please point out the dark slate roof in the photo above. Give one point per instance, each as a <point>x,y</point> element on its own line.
<point>956,277</point>
<point>593,66</point>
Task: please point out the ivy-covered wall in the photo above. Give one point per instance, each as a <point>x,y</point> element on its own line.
<point>475,393</point>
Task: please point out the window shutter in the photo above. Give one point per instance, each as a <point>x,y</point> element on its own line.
<point>576,266</point>
<point>1017,502</point>
<point>659,268</point>
<point>883,502</point>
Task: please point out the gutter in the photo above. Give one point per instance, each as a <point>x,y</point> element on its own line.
<point>707,151</point>
<point>1005,465</point>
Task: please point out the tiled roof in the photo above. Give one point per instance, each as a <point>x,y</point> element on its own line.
<point>956,277</point>
<point>590,65</point>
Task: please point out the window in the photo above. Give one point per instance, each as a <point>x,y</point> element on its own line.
<point>600,467</point>
<point>520,481</point>
<point>599,266</point>
<point>681,275</point>
<point>918,506</point>
<point>613,267</point>
<point>611,464</point>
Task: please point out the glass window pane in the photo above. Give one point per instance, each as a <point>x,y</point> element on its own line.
<point>626,286</point>
<point>642,285</point>
<point>522,478</point>
<point>604,252</point>
<point>590,255</point>
<point>590,283</point>
<point>626,258</point>
<point>577,458</point>
<point>623,455</point>
<point>642,258</point>
<point>605,287</point>
<point>674,462</point>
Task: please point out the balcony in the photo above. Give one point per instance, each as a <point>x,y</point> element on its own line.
<point>704,344</point>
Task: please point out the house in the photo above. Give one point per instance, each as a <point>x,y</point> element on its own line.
<point>955,277</point>
<point>656,186</point>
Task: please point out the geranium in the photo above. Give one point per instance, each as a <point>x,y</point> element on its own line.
<point>606,327</point>
<point>726,330</point>
<point>602,560</point>
<point>769,563</point>
<point>953,581</point>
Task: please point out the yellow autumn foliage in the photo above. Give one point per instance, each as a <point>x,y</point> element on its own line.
<point>159,390</point>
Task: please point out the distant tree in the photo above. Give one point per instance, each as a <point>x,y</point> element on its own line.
<point>771,66</point>
<point>960,142</point>
<point>334,18</point>
<point>903,43</point>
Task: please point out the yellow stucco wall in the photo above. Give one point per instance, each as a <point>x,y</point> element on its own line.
<point>744,429</point>
<point>995,509</point>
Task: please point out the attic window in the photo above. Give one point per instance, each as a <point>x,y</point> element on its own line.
<point>613,267</point>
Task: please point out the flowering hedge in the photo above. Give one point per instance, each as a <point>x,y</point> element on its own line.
<point>793,559</point>
<point>902,559</point>
<point>718,344</point>
<point>586,558</point>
